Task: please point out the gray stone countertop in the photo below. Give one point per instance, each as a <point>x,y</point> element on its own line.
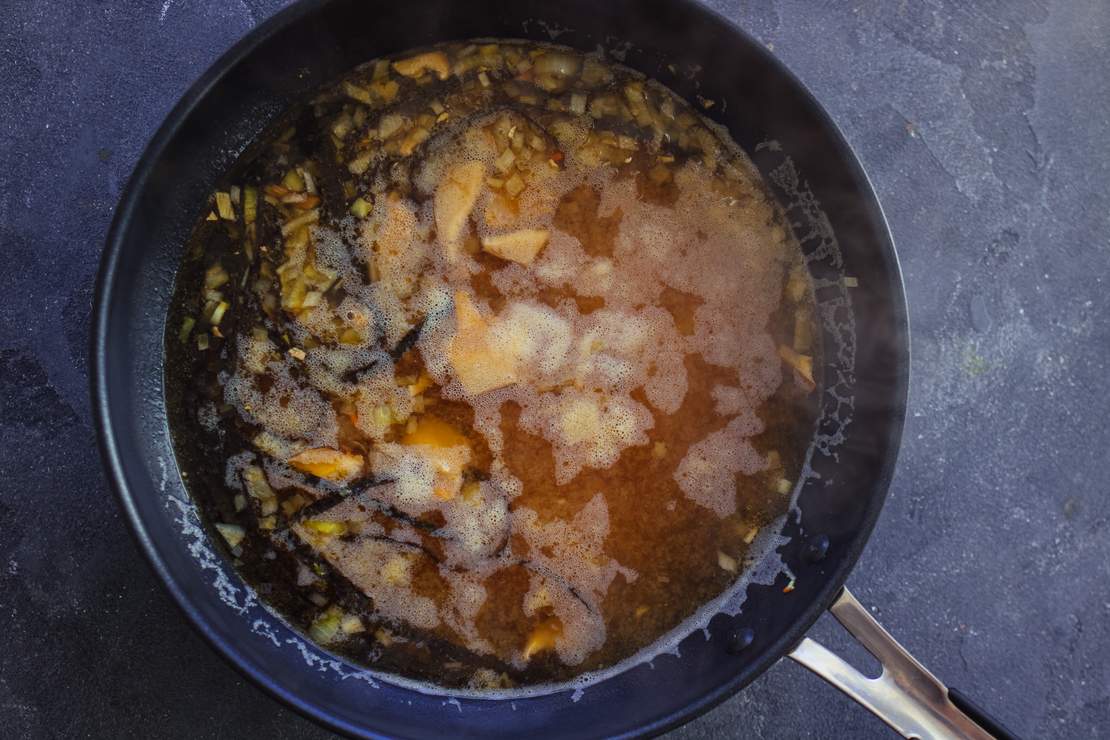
<point>984,127</point>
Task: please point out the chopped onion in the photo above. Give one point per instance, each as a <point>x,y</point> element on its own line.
<point>223,206</point>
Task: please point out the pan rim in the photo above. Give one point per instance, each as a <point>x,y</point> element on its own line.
<point>108,444</point>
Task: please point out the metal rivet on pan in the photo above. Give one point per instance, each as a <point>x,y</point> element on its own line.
<point>815,548</point>
<point>739,640</point>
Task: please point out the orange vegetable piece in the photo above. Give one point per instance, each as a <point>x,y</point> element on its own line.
<point>327,463</point>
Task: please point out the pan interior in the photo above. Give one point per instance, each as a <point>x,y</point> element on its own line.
<point>551,502</point>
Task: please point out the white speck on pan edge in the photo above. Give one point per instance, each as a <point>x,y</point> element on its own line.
<point>835,310</point>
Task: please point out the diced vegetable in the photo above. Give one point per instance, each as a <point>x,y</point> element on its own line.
<point>218,313</point>
<point>390,124</point>
<point>223,206</point>
<point>326,628</point>
<point>327,463</point>
<point>727,562</point>
<point>326,527</point>
<point>504,162</point>
<point>360,94</point>
<point>187,325</point>
<point>258,488</point>
<point>304,220</point>
<point>233,534</point>
<point>360,208</point>
<point>514,186</point>
<point>352,625</point>
<point>293,181</point>
<point>250,204</point>
<point>433,61</point>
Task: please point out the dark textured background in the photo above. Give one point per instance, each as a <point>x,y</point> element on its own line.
<point>984,127</point>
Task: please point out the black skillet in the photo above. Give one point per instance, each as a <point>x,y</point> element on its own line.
<point>833,211</point>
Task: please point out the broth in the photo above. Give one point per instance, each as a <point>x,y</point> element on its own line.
<point>489,363</point>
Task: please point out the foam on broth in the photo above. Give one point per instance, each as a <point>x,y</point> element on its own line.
<point>491,364</point>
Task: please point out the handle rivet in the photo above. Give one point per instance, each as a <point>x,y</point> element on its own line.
<point>739,640</point>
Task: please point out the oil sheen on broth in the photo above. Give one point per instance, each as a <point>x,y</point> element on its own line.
<point>489,363</point>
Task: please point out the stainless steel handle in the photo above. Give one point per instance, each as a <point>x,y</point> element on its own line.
<point>905,695</point>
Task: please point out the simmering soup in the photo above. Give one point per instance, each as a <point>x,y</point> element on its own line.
<point>489,363</point>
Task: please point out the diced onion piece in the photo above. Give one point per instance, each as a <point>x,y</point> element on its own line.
<point>327,463</point>
<point>577,103</point>
<point>434,61</point>
<point>352,625</point>
<point>514,186</point>
<point>307,218</point>
<point>186,326</point>
<point>359,164</point>
<point>360,208</point>
<point>293,181</point>
<point>258,488</point>
<point>360,94</point>
<point>218,313</point>
<point>385,89</point>
<point>505,161</point>
<point>727,562</point>
<point>390,124</point>
<point>233,534</point>
<point>215,277</point>
<point>223,206</point>
<point>413,139</point>
<point>326,628</point>
<point>250,204</point>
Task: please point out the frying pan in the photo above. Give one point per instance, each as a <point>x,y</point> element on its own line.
<point>831,207</point>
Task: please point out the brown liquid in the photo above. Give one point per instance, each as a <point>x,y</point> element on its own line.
<point>457,577</point>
